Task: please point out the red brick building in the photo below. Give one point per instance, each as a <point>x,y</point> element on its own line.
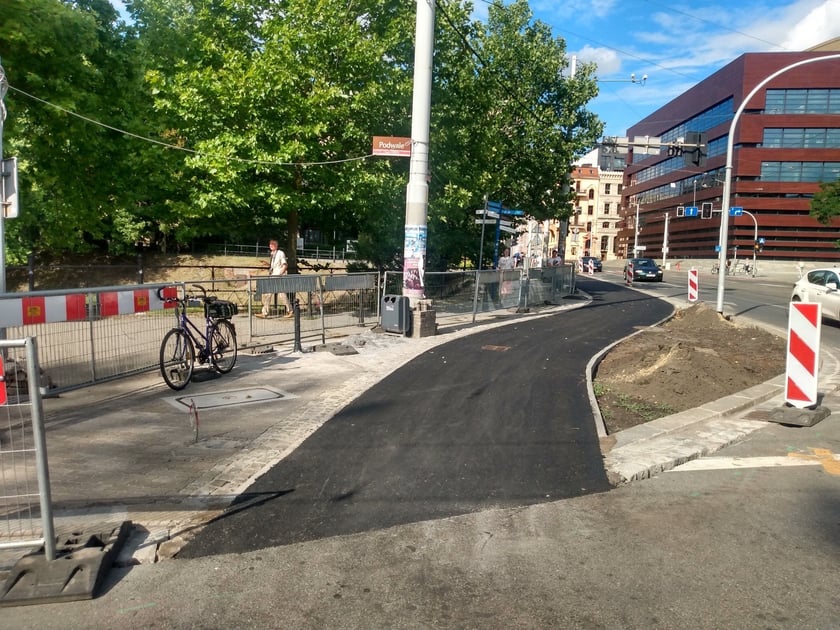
<point>787,142</point>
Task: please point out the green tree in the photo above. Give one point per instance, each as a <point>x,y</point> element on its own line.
<point>506,124</point>
<point>63,57</point>
<point>826,203</point>
<point>267,110</point>
<point>275,107</point>
<point>825,206</point>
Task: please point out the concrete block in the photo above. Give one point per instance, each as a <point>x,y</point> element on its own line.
<point>80,564</point>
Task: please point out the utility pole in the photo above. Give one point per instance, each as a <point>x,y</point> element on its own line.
<point>665,240</point>
<point>417,192</point>
<point>636,232</point>
<point>4,86</point>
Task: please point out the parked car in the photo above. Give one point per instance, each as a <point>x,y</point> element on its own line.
<point>596,263</point>
<point>643,269</point>
<point>823,286</point>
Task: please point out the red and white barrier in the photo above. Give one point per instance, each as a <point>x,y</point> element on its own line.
<point>580,266</point>
<point>591,267</point>
<point>628,276</point>
<point>50,309</point>
<point>693,285</point>
<point>803,355</point>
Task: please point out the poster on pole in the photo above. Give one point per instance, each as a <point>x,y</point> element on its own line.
<point>414,261</point>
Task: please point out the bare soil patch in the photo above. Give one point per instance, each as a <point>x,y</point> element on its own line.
<point>692,359</point>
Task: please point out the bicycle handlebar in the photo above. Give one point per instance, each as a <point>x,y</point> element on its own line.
<point>204,297</point>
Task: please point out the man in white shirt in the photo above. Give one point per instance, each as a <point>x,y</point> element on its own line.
<point>277,266</point>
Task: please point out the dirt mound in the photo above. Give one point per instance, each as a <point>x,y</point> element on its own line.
<point>693,358</point>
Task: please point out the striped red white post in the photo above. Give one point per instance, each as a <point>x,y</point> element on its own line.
<point>591,267</point>
<point>580,266</point>
<point>693,285</point>
<point>803,355</point>
<point>628,276</point>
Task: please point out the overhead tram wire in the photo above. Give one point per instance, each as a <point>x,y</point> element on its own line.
<point>184,149</point>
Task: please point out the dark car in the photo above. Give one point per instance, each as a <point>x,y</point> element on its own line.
<point>596,263</point>
<point>643,269</point>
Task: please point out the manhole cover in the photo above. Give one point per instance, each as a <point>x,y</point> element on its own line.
<point>230,398</point>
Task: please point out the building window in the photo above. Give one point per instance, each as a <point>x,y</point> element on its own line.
<point>811,138</point>
<point>800,171</point>
<point>606,208</point>
<point>712,117</point>
<point>592,193</point>
<point>620,187</point>
<point>590,209</point>
<point>607,189</point>
<point>802,101</point>
<point>605,225</point>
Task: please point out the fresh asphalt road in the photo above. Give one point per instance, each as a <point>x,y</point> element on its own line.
<point>500,418</point>
<point>764,300</point>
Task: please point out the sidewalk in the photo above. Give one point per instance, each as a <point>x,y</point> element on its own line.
<point>131,450</point>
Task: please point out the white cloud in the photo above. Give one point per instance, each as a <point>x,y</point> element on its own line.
<point>818,25</point>
<point>607,59</point>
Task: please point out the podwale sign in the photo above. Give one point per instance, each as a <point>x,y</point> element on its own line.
<point>399,147</point>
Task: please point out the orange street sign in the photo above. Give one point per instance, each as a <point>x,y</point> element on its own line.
<point>385,145</point>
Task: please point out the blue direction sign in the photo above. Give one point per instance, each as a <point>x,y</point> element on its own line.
<point>692,211</point>
<point>496,206</point>
<point>736,211</point>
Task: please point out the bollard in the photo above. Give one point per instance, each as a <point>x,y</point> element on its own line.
<point>298,347</point>
<point>628,275</point>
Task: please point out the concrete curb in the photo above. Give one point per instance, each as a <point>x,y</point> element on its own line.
<point>665,443</point>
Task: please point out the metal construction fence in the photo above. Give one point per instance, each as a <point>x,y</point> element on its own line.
<point>455,293</point>
<point>26,518</point>
<point>91,335</point>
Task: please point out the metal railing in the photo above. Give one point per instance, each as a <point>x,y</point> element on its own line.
<point>26,518</point>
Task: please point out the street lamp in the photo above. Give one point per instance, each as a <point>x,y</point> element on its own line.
<point>727,182</point>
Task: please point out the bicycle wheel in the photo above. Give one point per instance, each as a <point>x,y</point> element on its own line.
<point>223,346</point>
<point>177,359</point>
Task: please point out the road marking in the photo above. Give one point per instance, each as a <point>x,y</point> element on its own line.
<point>818,457</point>
<point>724,463</point>
<point>829,461</point>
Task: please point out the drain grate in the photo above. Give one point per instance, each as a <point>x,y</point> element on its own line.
<point>230,398</point>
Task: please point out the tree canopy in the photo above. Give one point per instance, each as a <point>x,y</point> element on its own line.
<point>236,120</point>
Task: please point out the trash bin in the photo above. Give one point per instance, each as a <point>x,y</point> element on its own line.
<point>396,314</point>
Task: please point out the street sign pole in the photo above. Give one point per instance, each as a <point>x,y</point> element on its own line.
<point>483,212</point>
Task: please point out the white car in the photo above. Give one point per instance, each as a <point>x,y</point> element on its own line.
<point>823,286</point>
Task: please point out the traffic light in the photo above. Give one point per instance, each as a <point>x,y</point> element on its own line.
<point>757,246</point>
<point>706,210</point>
<point>696,148</point>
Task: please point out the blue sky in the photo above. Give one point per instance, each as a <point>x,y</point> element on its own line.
<point>676,44</point>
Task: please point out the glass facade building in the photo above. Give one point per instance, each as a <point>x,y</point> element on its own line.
<point>787,143</point>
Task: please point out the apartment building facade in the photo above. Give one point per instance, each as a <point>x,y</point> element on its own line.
<point>594,225</point>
